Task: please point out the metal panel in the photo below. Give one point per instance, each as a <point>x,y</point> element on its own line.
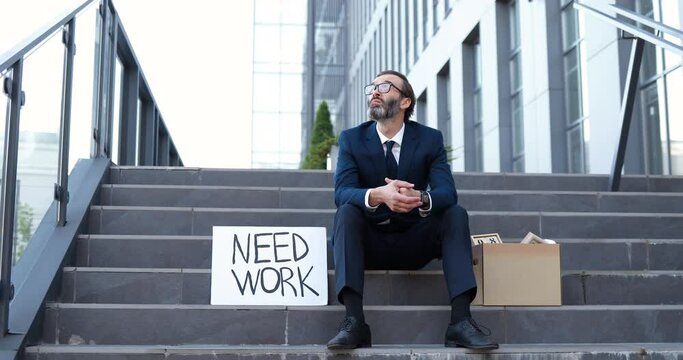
<point>8,196</point>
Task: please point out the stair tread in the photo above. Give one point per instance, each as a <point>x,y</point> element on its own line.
<point>375,349</point>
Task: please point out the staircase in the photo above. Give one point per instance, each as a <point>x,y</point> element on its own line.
<point>140,287</point>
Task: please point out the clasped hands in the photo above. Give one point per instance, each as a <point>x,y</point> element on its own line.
<point>400,196</point>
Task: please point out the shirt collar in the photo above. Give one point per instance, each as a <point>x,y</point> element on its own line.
<point>398,138</point>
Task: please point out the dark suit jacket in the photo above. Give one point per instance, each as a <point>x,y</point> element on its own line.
<point>423,162</point>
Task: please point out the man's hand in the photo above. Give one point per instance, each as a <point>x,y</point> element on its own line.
<point>398,195</point>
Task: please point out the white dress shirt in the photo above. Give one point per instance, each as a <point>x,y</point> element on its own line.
<point>396,151</point>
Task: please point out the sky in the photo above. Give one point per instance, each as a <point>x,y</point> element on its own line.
<point>197,60</point>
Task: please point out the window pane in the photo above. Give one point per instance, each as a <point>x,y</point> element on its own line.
<point>572,86</point>
<point>518,165</point>
<point>515,74</point>
<point>476,97</point>
<point>477,64</point>
<point>266,44</point>
<point>569,27</point>
<point>479,147</point>
<point>291,90</point>
<point>648,67</point>
<point>517,126</point>
<point>267,11</point>
<point>294,12</point>
<point>265,141</point>
<point>575,142</point>
<point>264,84</point>
<point>514,27</point>
<point>292,44</point>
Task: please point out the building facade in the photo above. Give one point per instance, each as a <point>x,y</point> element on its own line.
<point>520,85</point>
<point>299,53</point>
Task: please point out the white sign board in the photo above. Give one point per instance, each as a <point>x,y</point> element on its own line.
<point>254,265</point>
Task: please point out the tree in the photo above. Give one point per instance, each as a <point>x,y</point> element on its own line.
<point>322,140</point>
<point>24,229</point>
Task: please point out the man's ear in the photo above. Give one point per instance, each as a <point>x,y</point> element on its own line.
<point>405,103</point>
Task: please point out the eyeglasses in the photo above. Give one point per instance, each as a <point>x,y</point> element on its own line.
<point>383,88</point>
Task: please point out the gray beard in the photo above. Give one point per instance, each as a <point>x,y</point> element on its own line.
<point>380,113</point>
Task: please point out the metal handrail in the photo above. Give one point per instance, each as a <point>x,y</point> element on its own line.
<point>647,21</point>
<point>154,142</point>
<point>639,32</point>
<point>640,36</point>
<point>24,47</point>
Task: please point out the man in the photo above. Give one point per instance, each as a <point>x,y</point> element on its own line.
<point>397,209</point>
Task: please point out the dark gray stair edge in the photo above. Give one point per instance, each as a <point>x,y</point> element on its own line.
<point>456,173</point>
<point>409,308</point>
<point>509,240</point>
<point>423,272</point>
<point>332,211</point>
<point>377,349</point>
<point>331,189</point>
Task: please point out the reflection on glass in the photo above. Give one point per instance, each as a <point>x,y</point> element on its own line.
<point>38,138</point>
<point>81,101</point>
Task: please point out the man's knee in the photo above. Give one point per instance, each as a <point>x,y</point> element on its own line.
<point>457,214</point>
<point>349,210</point>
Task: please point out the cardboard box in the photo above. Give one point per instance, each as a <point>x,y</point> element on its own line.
<point>517,274</point>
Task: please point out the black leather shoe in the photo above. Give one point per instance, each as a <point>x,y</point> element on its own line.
<point>352,334</point>
<point>467,333</point>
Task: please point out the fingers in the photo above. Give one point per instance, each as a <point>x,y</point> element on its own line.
<point>402,203</point>
<point>399,183</point>
<point>409,192</point>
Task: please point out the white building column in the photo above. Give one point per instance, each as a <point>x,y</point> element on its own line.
<point>490,76</point>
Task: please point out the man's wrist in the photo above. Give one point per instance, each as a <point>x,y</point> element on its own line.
<point>373,202</point>
<point>426,200</point>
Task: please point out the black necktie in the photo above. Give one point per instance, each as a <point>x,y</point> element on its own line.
<point>392,165</point>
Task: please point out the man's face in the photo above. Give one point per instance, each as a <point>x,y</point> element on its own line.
<point>383,106</point>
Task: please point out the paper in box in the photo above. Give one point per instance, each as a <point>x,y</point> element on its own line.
<point>517,274</point>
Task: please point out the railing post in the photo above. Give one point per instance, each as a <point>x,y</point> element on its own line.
<point>99,79</point>
<point>62,185</point>
<point>626,111</point>
<point>12,88</point>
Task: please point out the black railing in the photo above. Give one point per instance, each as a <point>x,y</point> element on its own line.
<point>633,24</point>
<point>143,138</point>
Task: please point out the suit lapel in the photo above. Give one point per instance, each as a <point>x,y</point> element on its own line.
<point>410,143</point>
<point>374,146</point>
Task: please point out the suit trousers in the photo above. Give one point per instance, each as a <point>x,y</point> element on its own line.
<point>360,245</point>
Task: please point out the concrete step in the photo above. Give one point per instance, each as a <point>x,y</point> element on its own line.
<point>423,287</point>
<point>319,178</point>
<point>169,251</point>
<point>131,220</point>
<point>323,198</point>
<point>107,324</point>
<point>622,287</point>
<point>630,351</point>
